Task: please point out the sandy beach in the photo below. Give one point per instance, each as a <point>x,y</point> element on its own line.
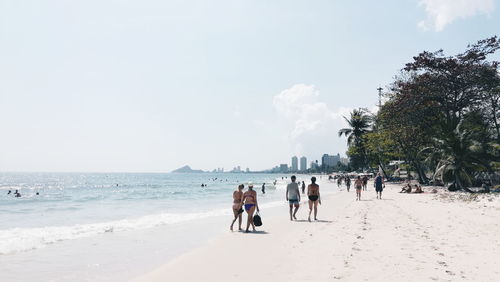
<point>403,237</point>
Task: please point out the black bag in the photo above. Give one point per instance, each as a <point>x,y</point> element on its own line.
<point>257,220</point>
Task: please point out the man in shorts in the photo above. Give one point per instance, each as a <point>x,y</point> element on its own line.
<point>379,185</point>
<point>293,197</point>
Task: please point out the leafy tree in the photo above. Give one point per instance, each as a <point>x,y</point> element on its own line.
<point>359,122</point>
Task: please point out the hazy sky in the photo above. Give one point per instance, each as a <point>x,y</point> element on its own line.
<point>152,85</point>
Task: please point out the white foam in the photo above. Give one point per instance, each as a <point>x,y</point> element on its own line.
<point>15,240</point>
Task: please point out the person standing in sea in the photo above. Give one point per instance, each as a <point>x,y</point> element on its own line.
<point>250,201</point>
<point>379,185</point>
<point>303,187</point>
<point>314,198</point>
<point>237,210</point>
<point>293,197</point>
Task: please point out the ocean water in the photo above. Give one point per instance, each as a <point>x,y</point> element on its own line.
<point>76,211</point>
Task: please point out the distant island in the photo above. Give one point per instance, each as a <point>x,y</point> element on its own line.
<point>186,169</point>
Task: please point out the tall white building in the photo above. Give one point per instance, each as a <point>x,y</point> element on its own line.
<point>295,164</point>
<point>330,160</point>
<point>303,164</point>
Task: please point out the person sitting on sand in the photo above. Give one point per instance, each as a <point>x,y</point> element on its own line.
<point>293,197</point>
<point>418,189</point>
<point>358,184</point>
<point>314,198</point>
<point>249,199</point>
<point>406,189</point>
<point>237,210</point>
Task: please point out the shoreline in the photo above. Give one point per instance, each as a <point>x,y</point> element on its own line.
<point>416,237</point>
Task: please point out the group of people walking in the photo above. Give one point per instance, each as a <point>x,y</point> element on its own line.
<point>247,202</point>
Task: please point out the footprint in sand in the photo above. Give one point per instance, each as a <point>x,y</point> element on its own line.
<point>442,263</point>
<point>450,272</point>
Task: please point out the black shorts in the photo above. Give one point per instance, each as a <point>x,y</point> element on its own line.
<point>313,198</point>
<point>379,189</point>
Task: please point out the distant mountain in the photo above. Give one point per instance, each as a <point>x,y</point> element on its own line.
<point>187,169</point>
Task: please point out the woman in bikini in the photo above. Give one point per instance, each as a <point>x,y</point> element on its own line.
<point>250,200</point>
<point>358,184</point>
<point>314,198</point>
<point>237,202</point>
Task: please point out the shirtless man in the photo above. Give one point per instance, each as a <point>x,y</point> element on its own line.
<point>314,198</point>
<point>293,197</point>
<point>249,199</point>
<point>237,210</point>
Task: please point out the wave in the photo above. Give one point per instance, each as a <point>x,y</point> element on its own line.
<point>16,240</point>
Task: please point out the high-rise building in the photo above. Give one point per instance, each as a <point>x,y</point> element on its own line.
<point>303,164</point>
<point>283,168</point>
<point>330,160</point>
<point>295,164</point>
<point>344,161</point>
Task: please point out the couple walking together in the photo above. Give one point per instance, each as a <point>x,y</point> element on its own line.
<point>293,197</point>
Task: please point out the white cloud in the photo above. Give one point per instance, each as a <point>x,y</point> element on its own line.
<point>312,125</point>
<point>443,12</point>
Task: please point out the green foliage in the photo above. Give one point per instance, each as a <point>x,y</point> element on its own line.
<point>442,116</point>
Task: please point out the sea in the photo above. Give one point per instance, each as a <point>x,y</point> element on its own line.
<point>115,226</point>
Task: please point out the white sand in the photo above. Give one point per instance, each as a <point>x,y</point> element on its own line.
<point>403,237</point>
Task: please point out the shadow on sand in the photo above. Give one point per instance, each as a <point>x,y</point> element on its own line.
<point>255,232</point>
<point>319,220</point>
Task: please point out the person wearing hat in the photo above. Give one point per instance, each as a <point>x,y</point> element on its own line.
<point>250,202</point>
<point>293,197</point>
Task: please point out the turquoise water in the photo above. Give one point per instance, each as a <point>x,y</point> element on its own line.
<point>80,205</point>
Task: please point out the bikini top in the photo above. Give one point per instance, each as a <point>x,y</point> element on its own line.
<point>248,195</point>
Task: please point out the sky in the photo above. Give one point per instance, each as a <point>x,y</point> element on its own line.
<point>152,85</point>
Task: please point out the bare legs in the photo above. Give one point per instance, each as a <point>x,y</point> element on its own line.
<point>379,195</point>
<point>250,218</point>
<point>311,205</point>
<point>358,194</point>
<point>237,215</point>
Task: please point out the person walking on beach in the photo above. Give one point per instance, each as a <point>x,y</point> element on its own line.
<point>379,185</point>
<point>303,187</point>
<point>237,210</point>
<point>339,181</point>
<point>263,188</point>
<point>358,184</point>
<point>314,198</point>
<point>250,201</point>
<point>293,197</point>
<point>348,182</point>
<point>365,182</point>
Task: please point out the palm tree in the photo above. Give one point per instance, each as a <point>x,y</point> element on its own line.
<point>360,122</point>
<point>461,156</point>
